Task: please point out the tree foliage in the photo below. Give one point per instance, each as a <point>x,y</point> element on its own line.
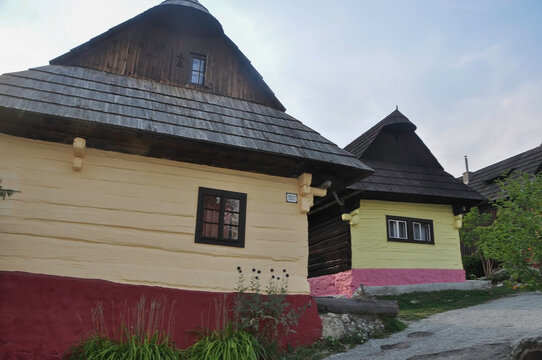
<point>471,232</point>
<point>6,192</point>
<point>515,238</point>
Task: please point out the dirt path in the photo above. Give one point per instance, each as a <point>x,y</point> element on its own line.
<point>486,331</point>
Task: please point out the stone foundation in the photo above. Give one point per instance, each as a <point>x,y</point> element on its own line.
<point>337,326</point>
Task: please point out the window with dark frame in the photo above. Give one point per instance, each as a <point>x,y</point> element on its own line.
<point>197,75</point>
<point>221,217</point>
<point>403,229</point>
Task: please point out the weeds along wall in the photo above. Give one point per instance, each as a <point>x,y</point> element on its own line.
<point>131,219</point>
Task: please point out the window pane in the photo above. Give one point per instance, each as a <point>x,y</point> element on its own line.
<point>231,218</point>
<point>392,226</point>
<point>196,64</point>
<point>426,232</point>
<point>417,231</point>
<point>212,202</point>
<point>210,230</point>
<point>231,232</point>
<point>232,205</point>
<point>211,216</point>
<point>195,78</point>
<point>402,229</point>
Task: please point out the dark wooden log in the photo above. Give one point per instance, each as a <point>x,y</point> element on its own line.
<point>360,307</point>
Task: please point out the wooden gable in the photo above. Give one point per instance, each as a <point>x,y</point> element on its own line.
<point>160,44</point>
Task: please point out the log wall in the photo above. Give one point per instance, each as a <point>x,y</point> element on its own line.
<point>131,219</point>
<point>371,249</point>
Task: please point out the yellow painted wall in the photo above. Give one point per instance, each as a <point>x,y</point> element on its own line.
<point>131,219</point>
<point>371,249</point>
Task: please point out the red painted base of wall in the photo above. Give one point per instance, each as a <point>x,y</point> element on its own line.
<point>41,316</point>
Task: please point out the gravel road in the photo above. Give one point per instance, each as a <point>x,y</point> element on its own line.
<point>485,331</point>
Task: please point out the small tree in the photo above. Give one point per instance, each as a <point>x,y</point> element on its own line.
<point>6,192</point>
<point>470,233</point>
<point>515,238</point>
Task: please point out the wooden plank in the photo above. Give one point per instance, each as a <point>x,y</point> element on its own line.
<point>359,307</point>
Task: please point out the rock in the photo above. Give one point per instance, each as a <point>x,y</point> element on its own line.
<point>337,326</point>
<point>361,294</point>
<point>527,349</point>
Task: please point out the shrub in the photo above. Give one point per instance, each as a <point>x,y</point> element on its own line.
<point>142,334</point>
<point>266,314</point>
<point>473,266</point>
<point>228,343</point>
<point>131,348</point>
<point>6,192</point>
<point>515,238</point>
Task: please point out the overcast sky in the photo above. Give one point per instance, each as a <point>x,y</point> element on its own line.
<point>467,73</point>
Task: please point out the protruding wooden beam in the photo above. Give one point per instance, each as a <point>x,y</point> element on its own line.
<point>79,148</point>
<point>458,221</point>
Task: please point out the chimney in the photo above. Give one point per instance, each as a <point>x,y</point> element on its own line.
<point>466,174</point>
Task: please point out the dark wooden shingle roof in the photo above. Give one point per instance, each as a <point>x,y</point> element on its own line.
<point>189,3</point>
<point>149,107</point>
<point>405,169</point>
<point>485,180</point>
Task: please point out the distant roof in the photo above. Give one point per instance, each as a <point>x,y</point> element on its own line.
<point>145,106</point>
<point>405,169</point>
<point>485,180</point>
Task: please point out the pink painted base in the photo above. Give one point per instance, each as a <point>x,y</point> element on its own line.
<point>346,282</point>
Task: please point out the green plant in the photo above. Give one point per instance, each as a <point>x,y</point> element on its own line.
<point>144,333</point>
<point>6,192</point>
<point>269,315</point>
<point>471,233</point>
<point>473,266</point>
<point>393,325</point>
<point>515,238</point>
<point>132,348</point>
<point>228,343</point>
<point>417,306</point>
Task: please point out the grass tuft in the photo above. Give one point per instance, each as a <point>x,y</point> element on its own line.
<point>417,306</point>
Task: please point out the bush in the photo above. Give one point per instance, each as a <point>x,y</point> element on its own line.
<point>132,348</point>
<point>268,316</point>
<point>144,334</point>
<point>515,238</point>
<point>473,266</point>
<point>228,343</point>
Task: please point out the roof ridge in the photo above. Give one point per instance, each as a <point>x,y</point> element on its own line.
<point>511,158</point>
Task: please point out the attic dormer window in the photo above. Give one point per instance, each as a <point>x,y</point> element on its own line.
<point>199,63</point>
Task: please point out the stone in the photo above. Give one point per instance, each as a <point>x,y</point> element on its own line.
<point>337,326</point>
<point>361,294</point>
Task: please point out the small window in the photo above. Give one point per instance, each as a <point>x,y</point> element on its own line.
<point>422,231</point>
<point>197,75</point>
<point>409,230</point>
<point>221,217</point>
<point>397,229</point>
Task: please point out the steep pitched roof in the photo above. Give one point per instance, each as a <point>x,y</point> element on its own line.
<point>190,3</point>
<point>485,180</point>
<point>169,12</point>
<point>405,169</point>
<point>145,116</point>
<point>394,120</point>
<point>145,106</point>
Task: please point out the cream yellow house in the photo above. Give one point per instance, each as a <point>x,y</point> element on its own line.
<point>151,160</point>
<point>399,226</point>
